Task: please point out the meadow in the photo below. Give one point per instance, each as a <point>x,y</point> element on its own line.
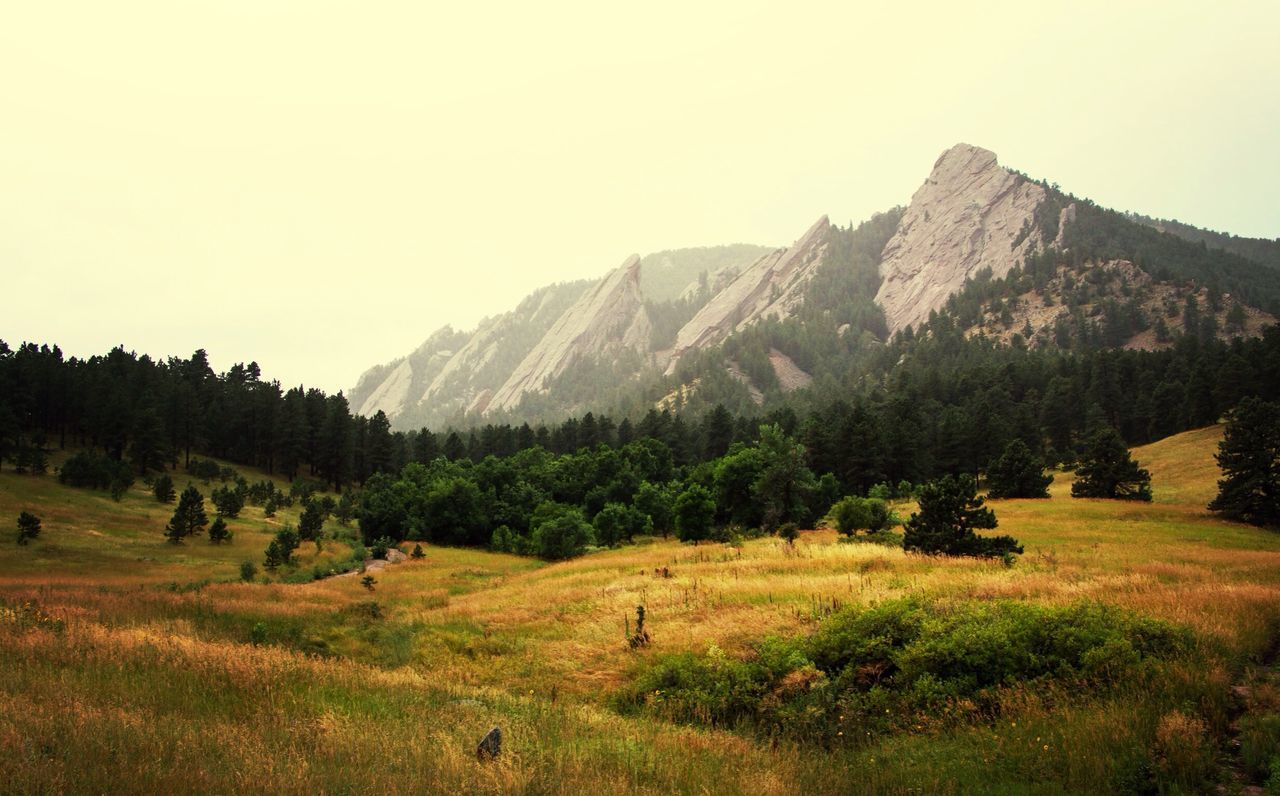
<point>128,664</point>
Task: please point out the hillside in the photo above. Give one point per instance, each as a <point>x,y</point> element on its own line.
<point>103,664</point>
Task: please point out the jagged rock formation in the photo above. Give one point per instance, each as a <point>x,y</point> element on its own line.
<point>771,287</point>
<point>453,372</point>
<point>970,214</point>
<point>389,396</point>
<point>607,318</point>
<point>391,388</point>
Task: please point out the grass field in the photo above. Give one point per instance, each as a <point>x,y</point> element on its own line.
<point>131,665</point>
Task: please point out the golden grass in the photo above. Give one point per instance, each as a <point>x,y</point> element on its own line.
<point>160,690</point>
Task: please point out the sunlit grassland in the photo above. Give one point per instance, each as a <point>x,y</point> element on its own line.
<point>153,687</point>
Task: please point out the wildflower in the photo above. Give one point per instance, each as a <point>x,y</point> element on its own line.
<point>1046,747</point>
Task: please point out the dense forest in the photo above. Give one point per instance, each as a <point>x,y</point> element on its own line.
<point>925,405</point>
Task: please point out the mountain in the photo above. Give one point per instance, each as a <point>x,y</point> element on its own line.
<point>980,248</point>
<point>769,287</point>
<point>970,214</point>
<point>511,355</point>
<point>607,319</point>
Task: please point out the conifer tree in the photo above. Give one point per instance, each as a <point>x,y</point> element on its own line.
<point>189,518</point>
<point>1249,455</point>
<point>1018,474</point>
<point>950,513</point>
<point>218,531</point>
<point>28,527</point>
<point>163,489</point>
<point>1107,470</point>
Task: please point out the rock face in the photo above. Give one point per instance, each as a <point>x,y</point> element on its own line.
<point>389,396</point>
<point>453,372</point>
<point>607,318</point>
<point>771,287</point>
<point>971,213</point>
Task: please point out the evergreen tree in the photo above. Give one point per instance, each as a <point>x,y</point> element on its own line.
<point>1018,474</point>
<point>228,502</point>
<point>148,451</point>
<point>188,518</point>
<point>950,513</point>
<point>312,521</point>
<point>1249,456</point>
<point>280,550</point>
<point>28,527</point>
<point>218,531</point>
<point>163,489</point>
<point>1108,471</point>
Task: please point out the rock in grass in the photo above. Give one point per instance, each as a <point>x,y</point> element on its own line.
<point>490,746</point>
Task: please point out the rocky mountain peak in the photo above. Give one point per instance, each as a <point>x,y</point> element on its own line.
<point>608,317</point>
<point>971,213</point>
<point>771,287</point>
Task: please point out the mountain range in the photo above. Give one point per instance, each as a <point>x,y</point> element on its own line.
<point>1003,255</point>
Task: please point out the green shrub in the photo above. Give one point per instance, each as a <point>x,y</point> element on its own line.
<point>902,661</point>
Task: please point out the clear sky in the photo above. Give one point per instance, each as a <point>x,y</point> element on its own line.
<point>319,185</point>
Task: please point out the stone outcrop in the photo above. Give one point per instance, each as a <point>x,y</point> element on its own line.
<point>609,317</point>
<point>389,396</point>
<point>971,213</point>
<point>771,287</point>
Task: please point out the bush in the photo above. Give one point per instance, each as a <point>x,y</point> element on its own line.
<point>853,514</point>
<point>380,547</point>
<point>901,662</point>
<point>248,571</point>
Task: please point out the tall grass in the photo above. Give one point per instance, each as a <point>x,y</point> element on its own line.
<point>142,682</point>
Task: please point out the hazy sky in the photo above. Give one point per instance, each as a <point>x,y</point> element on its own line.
<point>319,185</point>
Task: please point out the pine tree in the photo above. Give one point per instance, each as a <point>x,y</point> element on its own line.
<point>163,489</point>
<point>189,518</point>
<point>311,521</point>
<point>218,531</point>
<point>1018,474</point>
<point>1249,455</point>
<point>28,527</point>
<point>950,513</point>
<point>1107,471</point>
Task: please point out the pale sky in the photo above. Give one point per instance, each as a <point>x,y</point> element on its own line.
<point>319,185</point>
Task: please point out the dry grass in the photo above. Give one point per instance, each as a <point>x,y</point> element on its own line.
<point>151,688</point>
